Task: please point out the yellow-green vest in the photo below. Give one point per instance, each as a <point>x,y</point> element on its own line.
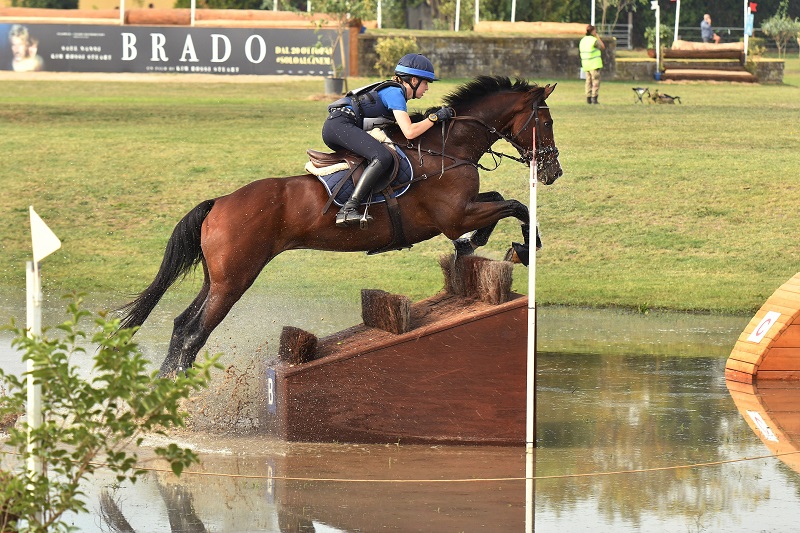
<point>591,57</point>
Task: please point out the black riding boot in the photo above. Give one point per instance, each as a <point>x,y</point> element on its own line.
<point>588,99</point>
<point>348,215</point>
<point>594,99</point>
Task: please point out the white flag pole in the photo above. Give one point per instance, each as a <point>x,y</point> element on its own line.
<point>34,407</point>
<point>530,408</point>
<point>677,20</point>
<point>44,242</point>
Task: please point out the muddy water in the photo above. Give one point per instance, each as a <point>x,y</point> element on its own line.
<point>625,403</point>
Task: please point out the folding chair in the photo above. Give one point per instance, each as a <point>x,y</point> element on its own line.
<point>638,94</point>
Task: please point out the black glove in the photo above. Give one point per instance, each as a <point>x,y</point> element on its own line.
<point>445,113</point>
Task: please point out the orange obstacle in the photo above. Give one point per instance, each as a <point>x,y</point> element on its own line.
<point>769,347</point>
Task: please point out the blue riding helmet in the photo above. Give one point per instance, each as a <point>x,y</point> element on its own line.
<point>416,65</point>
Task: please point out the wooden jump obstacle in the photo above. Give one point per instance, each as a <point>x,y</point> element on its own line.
<point>449,369</point>
<point>772,410</point>
<point>706,61</point>
<point>769,347</point>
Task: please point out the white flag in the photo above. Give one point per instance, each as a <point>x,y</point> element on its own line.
<point>45,241</point>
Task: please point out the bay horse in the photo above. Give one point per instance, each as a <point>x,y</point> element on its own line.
<point>234,236</point>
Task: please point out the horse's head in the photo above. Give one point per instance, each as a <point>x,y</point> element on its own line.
<point>516,112</point>
<point>531,126</point>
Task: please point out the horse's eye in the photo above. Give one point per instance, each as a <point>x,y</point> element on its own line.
<point>549,123</point>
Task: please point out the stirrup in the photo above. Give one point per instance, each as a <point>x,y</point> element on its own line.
<point>352,218</point>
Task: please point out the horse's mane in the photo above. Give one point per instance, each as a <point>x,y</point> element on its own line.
<point>483,86</point>
<point>478,88</point>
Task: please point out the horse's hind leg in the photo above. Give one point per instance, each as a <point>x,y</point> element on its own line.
<point>195,325</point>
<point>182,326</point>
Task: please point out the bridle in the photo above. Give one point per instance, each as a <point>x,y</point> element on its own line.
<point>526,156</point>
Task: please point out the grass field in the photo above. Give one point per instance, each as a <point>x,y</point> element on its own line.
<point>687,207</point>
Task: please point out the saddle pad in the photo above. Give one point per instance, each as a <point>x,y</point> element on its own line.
<point>404,176</point>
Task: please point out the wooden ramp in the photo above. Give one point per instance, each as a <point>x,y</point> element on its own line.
<point>769,347</point>
<point>455,375</point>
<point>772,410</point>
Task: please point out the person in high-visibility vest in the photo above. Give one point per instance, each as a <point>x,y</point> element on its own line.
<point>591,48</point>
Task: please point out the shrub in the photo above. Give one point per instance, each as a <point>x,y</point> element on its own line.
<point>87,423</point>
<point>781,28</point>
<point>390,50</point>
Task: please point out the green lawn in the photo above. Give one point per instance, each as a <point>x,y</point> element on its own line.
<point>688,207</point>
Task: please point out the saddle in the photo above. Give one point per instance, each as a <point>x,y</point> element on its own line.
<point>326,163</point>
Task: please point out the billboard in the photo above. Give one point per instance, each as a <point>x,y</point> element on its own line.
<point>173,49</point>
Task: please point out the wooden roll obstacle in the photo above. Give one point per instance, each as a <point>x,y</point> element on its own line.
<point>706,61</point>
<point>769,347</point>
<point>449,369</point>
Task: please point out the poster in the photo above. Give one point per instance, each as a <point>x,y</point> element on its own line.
<point>172,49</point>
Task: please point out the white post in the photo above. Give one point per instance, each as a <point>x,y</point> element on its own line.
<point>513,10</point>
<point>677,20</point>
<point>530,407</point>
<point>274,5</point>
<point>530,425</point>
<point>380,14</point>
<point>477,11</point>
<point>746,22</point>
<point>593,10</point>
<point>654,6</point>
<point>44,242</point>
<point>458,14</point>
<point>194,7</point>
<point>34,412</point>
<point>121,12</point>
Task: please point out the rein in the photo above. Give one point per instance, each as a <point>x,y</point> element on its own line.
<point>526,156</point>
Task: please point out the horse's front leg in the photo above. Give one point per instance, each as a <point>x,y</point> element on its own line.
<point>468,242</point>
<point>484,215</point>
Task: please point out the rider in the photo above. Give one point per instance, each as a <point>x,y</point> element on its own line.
<point>386,101</point>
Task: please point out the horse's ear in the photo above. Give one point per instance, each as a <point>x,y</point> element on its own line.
<point>548,90</point>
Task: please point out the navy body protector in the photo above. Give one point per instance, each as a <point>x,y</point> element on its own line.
<point>367,105</point>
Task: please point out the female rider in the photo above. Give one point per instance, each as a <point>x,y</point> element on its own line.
<point>386,102</point>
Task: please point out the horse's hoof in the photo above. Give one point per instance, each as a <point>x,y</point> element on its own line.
<point>518,254</point>
<point>511,256</point>
<point>463,247</point>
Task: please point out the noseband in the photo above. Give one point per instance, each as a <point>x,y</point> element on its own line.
<point>526,155</point>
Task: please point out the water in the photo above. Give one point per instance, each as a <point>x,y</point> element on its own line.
<point>626,404</point>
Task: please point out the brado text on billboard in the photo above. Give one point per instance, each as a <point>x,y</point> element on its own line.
<point>83,48</point>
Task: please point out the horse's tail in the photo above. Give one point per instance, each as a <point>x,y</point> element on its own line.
<point>183,252</point>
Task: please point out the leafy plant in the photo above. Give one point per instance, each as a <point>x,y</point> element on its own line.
<point>390,50</point>
<point>781,27</point>
<point>650,36</point>
<point>88,423</point>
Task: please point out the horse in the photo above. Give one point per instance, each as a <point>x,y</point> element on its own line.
<point>235,236</point>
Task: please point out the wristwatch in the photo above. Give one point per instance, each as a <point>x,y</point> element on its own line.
<point>433,117</point>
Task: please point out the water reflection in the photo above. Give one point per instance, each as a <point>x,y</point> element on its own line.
<point>616,392</point>
<point>772,410</point>
<point>597,414</point>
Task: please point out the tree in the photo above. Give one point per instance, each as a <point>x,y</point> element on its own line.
<point>342,13</point>
<point>781,28</point>
<point>49,4</point>
<point>88,423</point>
